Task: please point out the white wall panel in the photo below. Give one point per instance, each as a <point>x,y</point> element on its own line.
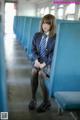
<point>25,8</point>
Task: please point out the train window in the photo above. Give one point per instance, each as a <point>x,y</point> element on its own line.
<point>60,13</point>
<point>53,7</point>
<point>79,14</point>
<point>46,10</point>
<point>70,16</point>
<point>70,9</point>
<point>42,12</point>
<point>38,12</point>
<point>0,8</point>
<point>10,12</point>
<point>61,6</point>
<point>70,12</point>
<point>52,10</point>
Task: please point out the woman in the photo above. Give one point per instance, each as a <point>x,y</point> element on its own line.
<point>42,51</point>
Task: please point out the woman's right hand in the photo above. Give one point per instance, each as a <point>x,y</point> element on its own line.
<point>37,64</point>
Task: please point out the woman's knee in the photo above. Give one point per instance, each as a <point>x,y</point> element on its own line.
<point>42,78</point>
<point>41,74</point>
<point>34,71</point>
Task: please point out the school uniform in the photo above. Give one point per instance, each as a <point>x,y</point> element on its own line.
<point>43,73</point>
<point>49,49</point>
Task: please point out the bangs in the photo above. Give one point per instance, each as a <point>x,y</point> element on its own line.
<point>47,21</point>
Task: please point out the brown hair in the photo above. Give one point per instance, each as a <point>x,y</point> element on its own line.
<point>49,19</point>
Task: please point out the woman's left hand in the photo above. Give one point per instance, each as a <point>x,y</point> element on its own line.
<point>42,65</point>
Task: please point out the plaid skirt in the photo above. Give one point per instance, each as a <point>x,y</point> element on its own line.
<point>46,70</point>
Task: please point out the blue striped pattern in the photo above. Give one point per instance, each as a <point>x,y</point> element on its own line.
<point>42,47</point>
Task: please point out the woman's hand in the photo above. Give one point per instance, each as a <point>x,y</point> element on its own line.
<point>42,65</point>
<point>37,63</point>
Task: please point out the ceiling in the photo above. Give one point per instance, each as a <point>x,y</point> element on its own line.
<point>37,2</point>
<point>41,1</point>
<point>32,1</point>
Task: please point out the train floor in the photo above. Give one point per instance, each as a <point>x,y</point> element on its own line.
<point>19,90</point>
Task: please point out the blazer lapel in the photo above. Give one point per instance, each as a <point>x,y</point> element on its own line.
<point>38,41</point>
<point>48,43</point>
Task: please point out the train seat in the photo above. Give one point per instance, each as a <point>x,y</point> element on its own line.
<point>68,100</point>
<point>3,89</point>
<point>65,71</point>
<point>64,84</point>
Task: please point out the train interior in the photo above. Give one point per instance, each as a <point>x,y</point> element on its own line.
<point>19,21</point>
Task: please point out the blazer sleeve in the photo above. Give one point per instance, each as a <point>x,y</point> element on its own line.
<point>50,56</point>
<point>49,61</point>
<point>34,49</point>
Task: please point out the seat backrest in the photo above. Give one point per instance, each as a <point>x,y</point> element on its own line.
<point>35,25</point>
<point>65,73</point>
<point>3,92</point>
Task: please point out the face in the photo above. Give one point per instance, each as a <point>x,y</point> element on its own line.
<point>45,27</point>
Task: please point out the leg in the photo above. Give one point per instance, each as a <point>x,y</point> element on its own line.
<point>34,85</point>
<point>45,105</point>
<point>42,78</point>
<point>34,82</point>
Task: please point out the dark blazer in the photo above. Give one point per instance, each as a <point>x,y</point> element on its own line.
<point>49,48</point>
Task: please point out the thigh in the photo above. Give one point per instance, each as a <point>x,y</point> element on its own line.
<point>42,75</point>
<point>47,70</point>
<point>34,71</point>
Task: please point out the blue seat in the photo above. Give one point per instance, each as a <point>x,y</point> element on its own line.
<point>35,23</point>
<point>3,84</point>
<point>25,28</point>
<point>66,60</point>
<point>26,32</point>
<point>65,73</point>
<point>68,100</point>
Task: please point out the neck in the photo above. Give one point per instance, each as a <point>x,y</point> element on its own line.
<point>47,33</point>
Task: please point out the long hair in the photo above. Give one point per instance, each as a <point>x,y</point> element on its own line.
<point>49,19</point>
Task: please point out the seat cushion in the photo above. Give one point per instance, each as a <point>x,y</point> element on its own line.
<point>68,100</point>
